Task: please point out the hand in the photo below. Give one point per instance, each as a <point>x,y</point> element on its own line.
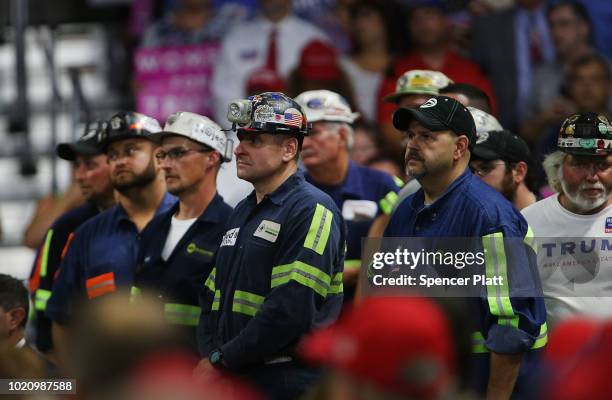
<point>204,372</point>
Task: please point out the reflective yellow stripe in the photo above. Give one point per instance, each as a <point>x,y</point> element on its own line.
<point>387,203</point>
<point>398,181</point>
<point>498,296</point>
<point>352,264</point>
<point>319,230</point>
<point>45,254</point>
<point>216,301</point>
<point>478,341</point>
<point>302,273</point>
<point>40,299</point>
<point>530,239</point>
<point>135,293</point>
<point>542,338</point>
<point>336,286</point>
<point>210,281</point>
<point>182,314</point>
<point>246,303</point>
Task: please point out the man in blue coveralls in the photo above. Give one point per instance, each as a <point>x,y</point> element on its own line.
<point>102,254</point>
<point>454,203</point>
<point>278,271</point>
<point>91,172</point>
<point>178,246</point>
<point>364,195</point>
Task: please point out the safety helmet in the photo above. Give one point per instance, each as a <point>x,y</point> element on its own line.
<point>484,121</point>
<point>325,105</point>
<point>198,128</point>
<point>418,81</point>
<point>130,124</point>
<point>269,112</point>
<point>586,134</point>
<point>87,145</point>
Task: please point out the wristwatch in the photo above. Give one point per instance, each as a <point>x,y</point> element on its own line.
<point>216,358</point>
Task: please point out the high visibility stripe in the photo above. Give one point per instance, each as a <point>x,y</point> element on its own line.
<point>336,286</point>
<point>478,341</point>
<point>40,299</point>
<point>100,285</point>
<point>387,203</point>
<point>67,245</point>
<point>530,239</point>
<point>182,314</point>
<point>210,281</point>
<point>302,273</point>
<point>352,264</point>
<point>498,296</point>
<point>135,294</point>
<point>216,301</point>
<point>398,181</point>
<point>247,303</point>
<point>45,254</point>
<point>319,230</point>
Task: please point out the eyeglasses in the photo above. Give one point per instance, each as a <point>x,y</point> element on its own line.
<point>484,169</point>
<point>177,153</point>
<point>585,167</point>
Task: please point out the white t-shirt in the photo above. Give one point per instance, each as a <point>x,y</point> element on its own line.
<point>365,85</point>
<point>574,259</point>
<point>178,228</point>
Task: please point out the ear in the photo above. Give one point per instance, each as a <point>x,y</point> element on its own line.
<point>290,149</point>
<point>519,172</point>
<point>16,317</point>
<point>214,159</point>
<point>461,147</point>
<point>344,136</point>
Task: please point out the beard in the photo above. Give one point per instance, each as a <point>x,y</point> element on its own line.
<point>508,187</point>
<point>123,185</point>
<point>583,203</point>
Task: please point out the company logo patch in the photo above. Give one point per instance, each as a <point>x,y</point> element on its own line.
<point>229,239</point>
<point>268,230</point>
<point>429,103</point>
<point>609,225</point>
<point>482,137</point>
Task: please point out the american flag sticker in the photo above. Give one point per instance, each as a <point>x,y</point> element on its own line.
<point>293,117</point>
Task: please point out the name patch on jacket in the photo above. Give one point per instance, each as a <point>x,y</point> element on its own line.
<point>229,239</point>
<point>268,230</point>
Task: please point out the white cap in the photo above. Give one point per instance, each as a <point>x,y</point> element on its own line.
<point>484,121</point>
<point>199,129</point>
<point>325,105</point>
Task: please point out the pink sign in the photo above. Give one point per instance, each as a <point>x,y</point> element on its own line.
<point>171,79</point>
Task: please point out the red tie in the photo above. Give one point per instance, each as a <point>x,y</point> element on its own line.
<point>535,43</point>
<point>271,58</point>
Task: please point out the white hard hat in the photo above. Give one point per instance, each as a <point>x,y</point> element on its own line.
<point>325,105</point>
<point>200,129</point>
<point>484,121</point>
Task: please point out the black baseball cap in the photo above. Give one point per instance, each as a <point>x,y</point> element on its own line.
<point>86,145</point>
<point>439,113</point>
<point>501,145</point>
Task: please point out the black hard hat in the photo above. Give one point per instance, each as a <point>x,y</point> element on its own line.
<point>586,134</point>
<point>269,112</point>
<point>129,124</point>
<point>86,145</point>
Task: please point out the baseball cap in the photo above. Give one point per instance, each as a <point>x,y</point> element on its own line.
<point>401,345</point>
<point>325,105</point>
<point>198,128</point>
<point>129,124</point>
<point>484,121</point>
<point>437,114</point>
<point>418,81</point>
<point>87,145</point>
<point>319,61</point>
<point>503,145</point>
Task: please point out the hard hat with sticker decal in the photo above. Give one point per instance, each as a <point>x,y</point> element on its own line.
<point>325,105</point>
<point>586,134</point>
<point>129,124</point>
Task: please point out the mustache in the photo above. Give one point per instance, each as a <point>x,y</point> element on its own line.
<point>587,186</point>
<point>414,155</point>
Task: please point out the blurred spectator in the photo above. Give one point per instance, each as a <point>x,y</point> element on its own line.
<point>412,89</point>
<point>274,40</point>
<point>386,165</point>
<point>468,95</point>
<point>509,45</point>
<point>429,36</point>
<point>190,22</point>
<point>374,28</point>
<point>365,144</point>
<point>501,159</point>
<point>388,348</point>
<point>17,358</point>
<point>319,69</point>
<point>588,87</point>
<point>571,32</point>
<point>331,16</point>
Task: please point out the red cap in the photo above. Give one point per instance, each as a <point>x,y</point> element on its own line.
<point>579,359</point>
<point>319,61</point>
<point>402,345</point>
<point>264,80</point>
